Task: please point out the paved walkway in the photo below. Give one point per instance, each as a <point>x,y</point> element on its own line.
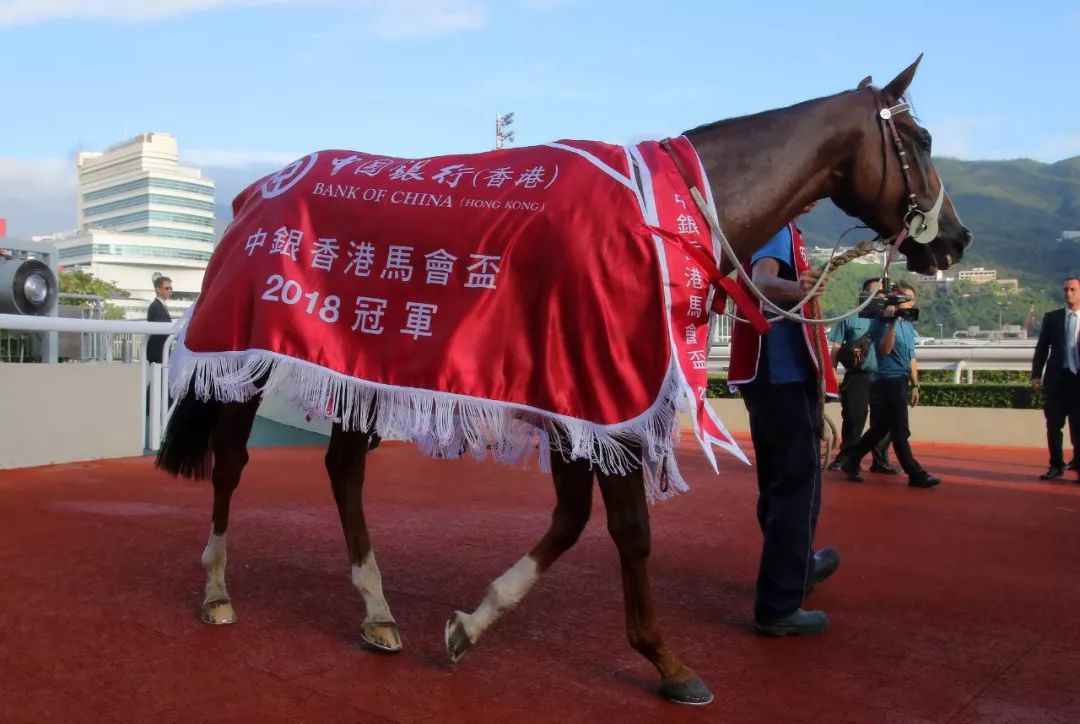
<point>960,604</point>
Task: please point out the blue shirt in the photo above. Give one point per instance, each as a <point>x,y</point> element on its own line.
<point>783,350</point>
<point>851,329</point>
<point>898,362</point>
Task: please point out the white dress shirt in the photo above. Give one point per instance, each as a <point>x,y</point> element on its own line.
<point>1072,324</point>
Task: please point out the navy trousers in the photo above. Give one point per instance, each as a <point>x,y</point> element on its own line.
<point>785,429</point>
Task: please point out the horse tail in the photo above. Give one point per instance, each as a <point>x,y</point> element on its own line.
<point>187,446</point>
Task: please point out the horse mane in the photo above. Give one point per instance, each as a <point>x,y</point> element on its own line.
<point>724,122</point>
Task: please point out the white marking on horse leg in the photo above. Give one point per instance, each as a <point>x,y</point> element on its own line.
<point>213,560</point>
<point>216,608</point>
<point>503,594</point>
<point>368,582</point>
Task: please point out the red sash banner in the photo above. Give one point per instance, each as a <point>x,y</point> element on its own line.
<point>746,337</point>
<point>471,303</point>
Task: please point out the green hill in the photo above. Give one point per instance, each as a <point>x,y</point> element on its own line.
<point>1017,210</point>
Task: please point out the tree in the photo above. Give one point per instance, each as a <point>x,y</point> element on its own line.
<point>78,281</point>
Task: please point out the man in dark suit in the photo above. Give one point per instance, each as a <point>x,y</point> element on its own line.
<point>1055,369</point>
<point>158,313</point>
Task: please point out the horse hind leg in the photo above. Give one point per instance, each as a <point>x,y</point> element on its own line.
<point>573,492</point>
<point>628,524</point>
<point>346,459</point>
<point>230,436</point>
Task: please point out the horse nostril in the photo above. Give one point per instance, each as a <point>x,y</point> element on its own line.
<point>968,238</point>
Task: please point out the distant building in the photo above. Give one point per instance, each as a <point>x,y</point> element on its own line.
<point>978,275</point>
<point>140,213</point>
<point>138,186</point>
<point>1007,331</point>
<point>129,261</point>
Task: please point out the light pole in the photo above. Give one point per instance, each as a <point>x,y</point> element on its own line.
<point>501,134</point>
<point>941,330</point>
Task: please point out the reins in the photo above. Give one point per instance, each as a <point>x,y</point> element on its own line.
<point>828,427</point>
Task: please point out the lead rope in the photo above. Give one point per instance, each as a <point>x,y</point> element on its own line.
<point>828,433</point>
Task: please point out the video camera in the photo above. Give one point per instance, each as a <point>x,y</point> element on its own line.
<point>894,298</point>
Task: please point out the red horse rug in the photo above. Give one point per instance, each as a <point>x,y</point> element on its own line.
<point>504,302</point>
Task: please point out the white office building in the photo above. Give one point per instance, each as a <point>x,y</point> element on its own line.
<point>140,213</point>
<point>138,186</point>
<point>130,261</point>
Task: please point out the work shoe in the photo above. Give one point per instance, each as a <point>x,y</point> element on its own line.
<point>886,469</point>
<point>825,563</point>
<point>796,623</point>
<point>851,469</point>
<point>923,480</point>
<point>1052,473</point>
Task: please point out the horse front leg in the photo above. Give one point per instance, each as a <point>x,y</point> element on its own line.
<point>573,492</point>
<point>230,436</point>
<point>346,459</point>
<point>628,523</point>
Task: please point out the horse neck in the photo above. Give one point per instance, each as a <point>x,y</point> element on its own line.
<point>764,169</point>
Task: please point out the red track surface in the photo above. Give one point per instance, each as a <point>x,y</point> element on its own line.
<point>960,604</point>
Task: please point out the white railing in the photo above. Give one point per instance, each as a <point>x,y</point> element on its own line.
<point>962,359</point>
<point>155,409</point>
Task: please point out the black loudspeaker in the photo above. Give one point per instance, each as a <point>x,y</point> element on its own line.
<point>27,286</point>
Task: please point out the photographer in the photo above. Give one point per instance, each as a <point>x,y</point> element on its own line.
<point>894,338</point>
<point>852,347</point>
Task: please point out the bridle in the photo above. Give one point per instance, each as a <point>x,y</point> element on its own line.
<point>922,226</point>
<point>919,225</point>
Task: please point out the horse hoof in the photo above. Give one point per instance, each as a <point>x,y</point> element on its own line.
<point>692,691</point>
<point>217,613</point>
<point>457,640</point>
<point>382,636</point>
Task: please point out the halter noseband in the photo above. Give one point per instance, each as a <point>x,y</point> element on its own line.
<point>921,226</point>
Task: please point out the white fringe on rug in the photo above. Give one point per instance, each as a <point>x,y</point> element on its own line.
<point>443,424</point>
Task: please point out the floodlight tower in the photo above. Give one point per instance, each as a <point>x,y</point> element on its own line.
<point>501,134</point>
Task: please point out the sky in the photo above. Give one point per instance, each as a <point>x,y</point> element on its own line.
<point>248,85</point>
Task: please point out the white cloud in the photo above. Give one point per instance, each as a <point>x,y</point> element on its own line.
<point>544,5</point>
<point>1058,148</point>
<point>19,12</point>
<point>955,136</point>
<point>537,81</point>
<point>993,136</point>
<point>391,18</point>
<point>229,157</point>
<point>422,18</point>
<point>38,196</point>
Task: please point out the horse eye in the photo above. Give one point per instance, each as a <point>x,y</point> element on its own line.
<point>925,140</point>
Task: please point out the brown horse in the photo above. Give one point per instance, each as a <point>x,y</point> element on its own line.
<point>858,148</point>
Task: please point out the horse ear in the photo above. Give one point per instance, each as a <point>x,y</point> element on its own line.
<point>899,85</point>
<point>865,82</point>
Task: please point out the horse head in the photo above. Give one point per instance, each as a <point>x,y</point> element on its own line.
<point>891,183</point>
